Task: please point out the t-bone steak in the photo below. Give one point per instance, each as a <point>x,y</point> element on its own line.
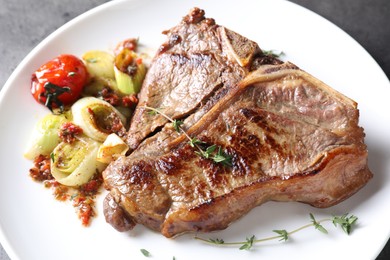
<point>290,137</point>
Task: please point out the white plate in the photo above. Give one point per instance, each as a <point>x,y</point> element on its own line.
<point>35,226</point>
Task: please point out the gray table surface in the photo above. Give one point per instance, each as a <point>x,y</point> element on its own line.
<point>24,23</point>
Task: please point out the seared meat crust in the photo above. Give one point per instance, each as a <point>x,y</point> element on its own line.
<point>290,136</point>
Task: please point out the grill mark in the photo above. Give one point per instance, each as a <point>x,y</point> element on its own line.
<point>175,161</point>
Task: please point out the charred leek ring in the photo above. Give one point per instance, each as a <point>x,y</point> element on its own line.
<point>111,149</point>
<point>94,115</point>
<point>129,72</point>
<point>74,164</point>
<point>45,135</point>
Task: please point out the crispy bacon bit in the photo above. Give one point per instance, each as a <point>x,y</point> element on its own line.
<point>138,61</point>
<point>110,97</point>
<point>130,44</point>
<point>90,112</point>
<point>68,132</point>
<point>84,200</point>
<point>92,187</point>
<point>51,183</point>
<point>41,169</point>
<point>130,101</point>
<point>61,192</point>
<point>84,206</point>
<point>127,101</point>
<point>116,125</point>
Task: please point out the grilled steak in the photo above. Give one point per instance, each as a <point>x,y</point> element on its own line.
<point>290,137</point>
<point>198,58</point>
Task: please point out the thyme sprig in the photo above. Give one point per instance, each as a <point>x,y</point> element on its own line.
<point>212,152</point>
<point>346,222</point>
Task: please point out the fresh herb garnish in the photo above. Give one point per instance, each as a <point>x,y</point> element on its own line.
<point>247,245</point>
<point>317,225</point>
<point>52,92</point>
<point>145,252</point>
<point>222,157</point>
<point>194,142</point>
<point>210,152</point>
<point>283,234</point>
<point>217,241</point>
<point>52,157</point>
<point>153,112</point>
<point>346,222</point>
<point>274,53</point>
<point>177,125</point>
<point>92,60</point>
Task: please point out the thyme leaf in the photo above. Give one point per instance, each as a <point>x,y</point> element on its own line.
<point>217,241</point>
<point>283,234</point>
<point>52,157</point>
<point>145,252</point>
<point>317,225</point>
<point>195,141</point>
<point>209,151</point>
<point>274,53</point>
<point>222,157</point>
<point>345,222</point>
<point>52,92</point>
<point>177,125</point>
<point>92,60</point>
<point>248,243</point>
<point>153,112</point>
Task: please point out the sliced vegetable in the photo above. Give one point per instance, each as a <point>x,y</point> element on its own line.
<point>45,135</point>
<point>100,64</point>
<point>96,85</point>
<point>59,82</point>
<point>111,149</point>
<point>74,164</point>
<point>98,118</point>
<point>129,72</point>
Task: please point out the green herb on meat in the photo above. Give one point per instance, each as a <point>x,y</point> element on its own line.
<point>210,152</point>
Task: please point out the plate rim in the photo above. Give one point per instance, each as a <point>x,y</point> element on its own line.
<point>102,7</point>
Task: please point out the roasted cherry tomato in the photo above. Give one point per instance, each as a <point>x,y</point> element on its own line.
<point>59,82</point>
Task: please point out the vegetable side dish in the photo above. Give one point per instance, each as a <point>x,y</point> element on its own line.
<point>90,100</point>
